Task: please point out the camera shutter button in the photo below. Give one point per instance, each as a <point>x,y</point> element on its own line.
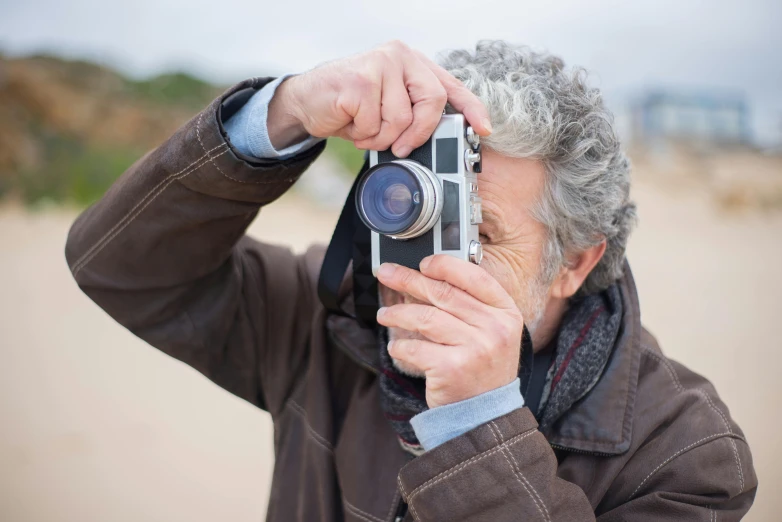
<point>476,252</point>
<point>472,161</point>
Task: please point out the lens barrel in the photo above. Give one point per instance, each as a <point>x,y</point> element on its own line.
<point>400,198</point>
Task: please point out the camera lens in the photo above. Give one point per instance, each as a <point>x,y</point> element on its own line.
<point>396,201</point>
<point>399,198</point>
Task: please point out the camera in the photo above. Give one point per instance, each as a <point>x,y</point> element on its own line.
<point>426,203</point>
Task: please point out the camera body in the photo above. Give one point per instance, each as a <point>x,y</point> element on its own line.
<point>427,203</point>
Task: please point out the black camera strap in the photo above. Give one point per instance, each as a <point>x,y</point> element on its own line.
<point>351,242</point>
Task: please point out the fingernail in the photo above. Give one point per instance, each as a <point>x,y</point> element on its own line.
<point>425,262</point>
<point>390,346</point>
<point>386,270</point>
<point>487,124</point>
<point>381,311</point>
<point>403,151</point>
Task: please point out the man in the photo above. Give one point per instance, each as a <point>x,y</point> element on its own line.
<point>425,417</point>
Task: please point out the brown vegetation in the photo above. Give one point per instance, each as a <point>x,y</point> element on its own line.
<point>59,118</point>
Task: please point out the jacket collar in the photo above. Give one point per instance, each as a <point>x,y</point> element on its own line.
<point>600,423</point>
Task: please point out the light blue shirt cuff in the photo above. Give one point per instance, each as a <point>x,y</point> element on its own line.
<point>248,131</point>
<point>438,425</point>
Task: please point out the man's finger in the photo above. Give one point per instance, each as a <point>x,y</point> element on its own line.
<point>420,353</point>
<point>429,321</point>
<point>363,103</point>
<point>461,98</point>
<point>439,293</point>
<point>469,277</point>
<point>428,98</point>
<point>396,113</point>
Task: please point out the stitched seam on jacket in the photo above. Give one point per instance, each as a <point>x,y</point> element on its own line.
<point>129,212</point>
<point>95,245</point>
<point>675,377</point>
<point>359,513</point>
<point>168,182</point>
<point>211,158</point>
<point>402,489</point>
<point>519,475</point>
<point>394,504</point>
<point>681,451</point>
<point>325,444</point>
<point>548,515</point>
<point>459,467</point>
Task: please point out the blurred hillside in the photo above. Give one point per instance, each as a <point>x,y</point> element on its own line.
<point>69,128</point>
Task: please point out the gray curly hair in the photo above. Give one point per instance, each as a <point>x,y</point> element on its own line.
<point>542,111</point>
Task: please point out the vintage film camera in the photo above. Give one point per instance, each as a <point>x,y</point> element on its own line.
<point>426,203</point>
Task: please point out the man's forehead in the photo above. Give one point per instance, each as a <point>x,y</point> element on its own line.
<point>508,185</point>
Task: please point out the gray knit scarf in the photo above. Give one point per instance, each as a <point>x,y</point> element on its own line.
<point>583,345</point>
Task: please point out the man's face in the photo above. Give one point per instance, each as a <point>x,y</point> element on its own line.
<point>512,240</point>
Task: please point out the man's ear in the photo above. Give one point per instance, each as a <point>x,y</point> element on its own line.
<point>571,277</point>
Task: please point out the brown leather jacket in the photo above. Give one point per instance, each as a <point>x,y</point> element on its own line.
<point>164,252</point>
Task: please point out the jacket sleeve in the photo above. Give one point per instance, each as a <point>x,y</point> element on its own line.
<point>708,479</point>
<point>164,253</point>
<point>505,470</point>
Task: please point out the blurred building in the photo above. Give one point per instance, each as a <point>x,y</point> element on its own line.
<point>708,118</point>
<point>697,141</point>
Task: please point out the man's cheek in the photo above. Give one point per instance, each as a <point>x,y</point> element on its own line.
<point>497,266</point>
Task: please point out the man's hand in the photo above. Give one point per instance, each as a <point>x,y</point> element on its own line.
<point>472,325</point>
<point>390,96</point>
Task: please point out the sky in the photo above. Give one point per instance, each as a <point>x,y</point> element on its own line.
<point>628,46</point>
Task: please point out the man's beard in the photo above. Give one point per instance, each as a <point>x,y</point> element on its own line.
<point>531,310</point>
